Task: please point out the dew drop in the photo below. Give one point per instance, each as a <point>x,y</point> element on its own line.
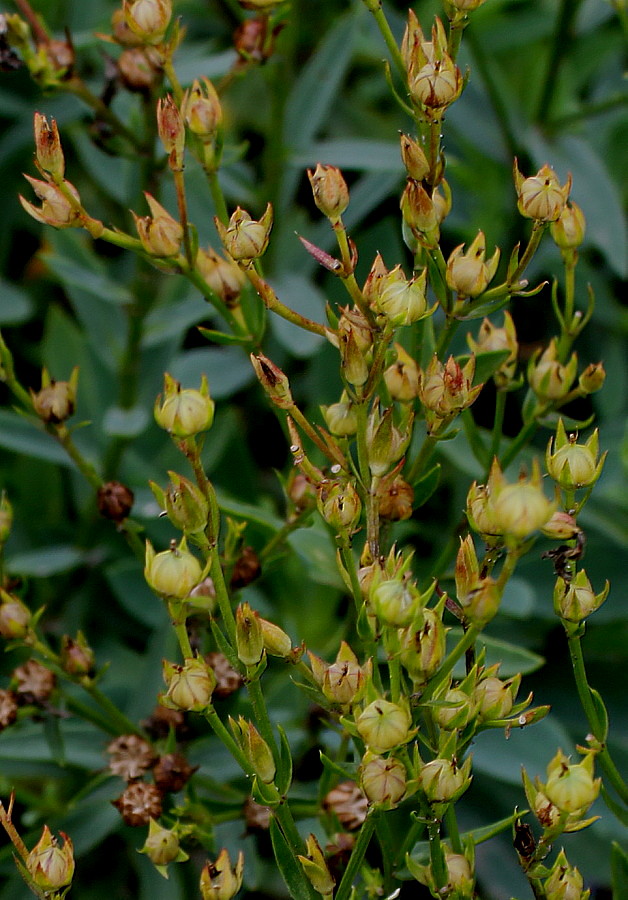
<point>294,448</point>
<point>335,469</point>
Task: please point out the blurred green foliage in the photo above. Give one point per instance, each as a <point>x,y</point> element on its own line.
<point>534,92</point>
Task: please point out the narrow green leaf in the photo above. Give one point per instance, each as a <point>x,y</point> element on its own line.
<point>602,713</point>
<point>291,871</point>
<point>21,435</point>
<point>345,771</point>
<point>486,364</point>
<point>219,337</point>
<point>426,485</point>
<point>620,812</point>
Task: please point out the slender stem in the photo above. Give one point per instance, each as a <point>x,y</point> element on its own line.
<point>178,619</point>
<point>437,857</point>
<point>560,44</point>
<point>586,700</point>
<point>272,302</point>
<point>525,435</point>
<point>357,856</point>
<point>9,827</point>
<point>7,375</point>
<point>331,452</point>
<point>466,641</point>
<point>222,595</point>
<point>498,423</point>
<point>260,711</point>
<point>228,741</point>
<point>62,433</point>
<point>79,89</point>
<point>452,828</point>
<point>420,463</point>
<point>123,724</point>
<point>220,204</point>
<point>451,326</point>
<point>375,7</point>
<point>538,230</point>
<point>179,183</point>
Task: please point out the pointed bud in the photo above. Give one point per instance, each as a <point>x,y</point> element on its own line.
<point>160,234</point>
<point>572,787</point>
<point>468,274</point>
<point>436,85</point>
<point>445,390</point>
<point>222,275</point>
<point>423,648</point>
<point>249,638</point>
<point>561,527</point>
<point>568,229</point>
<point>442,780</point>
<point>414,159</point>
<point>171,130</point>
<point>402,377</point>
<point>48,148</point>
<point>395,499</point>
<point>520,509</point>
<point>184,502</point>
<point>592,379</point>
<point>255,749</point>
<point>245,238</point>
<point>316,868</point>
<point>56,400</point>
<point>221,881</point>
<point>330,191</point>
<point>403,301</point>
<point>148,19</point>
<point>276,641</point>
<point>49,865</point>
<point>573,465</point>
<point>458,711</point>
<point>541,196</point>
<point>575,601</point>
<point>76,656</point>
<point>184,413</point>
<point>341,418</point>
<point>56,209</point>
<point>273,380</point>
<point>495,697</point>
<point>492,338</point>
<point>162,845</point>
<point>419,213</point>
<point>172,573</point>
<point>548,377</point>
<point>564,881</point>
<point>394,601</point>
<point>190,686</point>
<point>201,110</point>
<point>340,505</point>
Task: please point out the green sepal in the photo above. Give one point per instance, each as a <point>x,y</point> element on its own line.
<point>602,714</point>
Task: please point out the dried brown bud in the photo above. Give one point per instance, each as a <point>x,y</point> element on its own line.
<point>115,501</point>
<point>130,756</point>
<point>162,719</point>
<point>347,802</point>
<point>139,803</point>
<point>8,708</point>
<point>247,568</point>
<point>172,772</point>
<point>228,679</point>
<point>35,683</point>
<point>138,68</point>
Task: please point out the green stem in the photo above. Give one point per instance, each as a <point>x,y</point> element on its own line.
<point>451,326</point>
<point>220,204</point>
<point>466,641</point>
<point>62,434</point>
<point>123,724</point>
<point>228,741</point>
<point>560,44</point>
<point>178,619</point>
<point>525,435</point>
<point>421,461</point>
<point>375,7</point>
<point>357,856</point>
<point>182,206</point>
<point>7,375</point>
<point>260,712</point>
<point>452,829</point>
<point>222,595</point>
<point>273,303</point>
<point>596,726</point>
<point>437,856</point>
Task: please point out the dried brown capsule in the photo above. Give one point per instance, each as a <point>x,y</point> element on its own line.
<point>115,501</point>
<point>172,772</point>
<point>8,708</point>
<point>139,803</point>
<point>162,719</point>
<point>131,756</point>
<point>246,569</point>
<point>348,804</point>
<point>35,683</point>
<point>228,679</point>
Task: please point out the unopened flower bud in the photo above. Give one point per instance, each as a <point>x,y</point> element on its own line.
<point>316,868</point>
<point>541,196</point>
<point>385,443</point>
<point>56,400</point>
<point>48,148</point>
<point>245,238</point>
<point>276,641</point>
<point>468,273</point>
<point>160,234</point>
<point>184,502</point>
<point>395,499</point>
<point>592,379</point>
<point>223,276</point>
<point>341,418</point>
<point>148,19</point>
<point>190,686</point>
<point>443,780</point>
<point>395,602</point>
<point>201,110</point>
<point>162,845</point>
<point>402,377</point>
<point>436,84</point>
<point>255,749</point>
<point>495,697</point>
<point>343,681</point>
<point>384,781</point>
<point>573,465</point>
<point>221,881</point>
<point>56,208</point>
<point>568,229</point>
<point>51,866</point>
<point>423,648</point>
<point>521,508</point>
<point>172,573</point>
<point>339,504</point>
<point>458,712</point>
<point>114,501</point>
<point>575,601</point>
<point>561,527</point>
<point>403,301</point>
<point>564,881</point>
<point>15,617</point>
<point>171,130</point>
<point>490,339</point>
<point>330,191</point>
<point>419,213</point>
<point>249,638</point>
<point>76,656</point>
<point>445,390</point>
<point>184,412</point>
<point>572,787</point>
<point>139,69</point>
<point>273,380</point>
<point>414,159</point>
<point>384,725</point>
<point>548,377</point>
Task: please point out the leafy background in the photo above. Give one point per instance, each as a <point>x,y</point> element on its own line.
<point>322,97</point>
